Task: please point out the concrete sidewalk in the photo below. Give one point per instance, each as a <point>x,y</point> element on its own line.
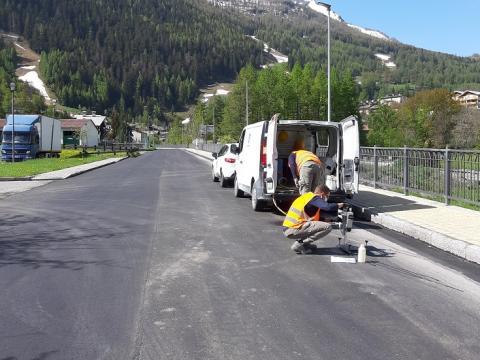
<point>450,228</point>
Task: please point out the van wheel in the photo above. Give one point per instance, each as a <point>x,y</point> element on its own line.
<point>236,191</point>
<point>214,178</point>
<point>223,181</point>
<point>257,204</point>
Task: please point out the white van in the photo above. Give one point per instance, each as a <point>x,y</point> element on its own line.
<point>262,167</point>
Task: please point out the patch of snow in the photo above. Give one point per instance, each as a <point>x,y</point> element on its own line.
<point>324,10</point>
<point>222,92</point>
<point>281,58</point>
<point>34,81</point>
<point>386,60</point>
<point>373,33</point>
<point>28,67</point>
<point>383,57</point>
<point>12,36</point>
<point>20,46</point>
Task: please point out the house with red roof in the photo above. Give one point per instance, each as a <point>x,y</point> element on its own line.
<point>82,132</point>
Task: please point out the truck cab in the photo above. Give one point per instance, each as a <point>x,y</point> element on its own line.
<point>32,136</point>
<point>262,170</point>
<point>26,140</point>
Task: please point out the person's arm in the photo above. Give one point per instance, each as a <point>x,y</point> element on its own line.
<point>323,205</point>
<point>293,166</point>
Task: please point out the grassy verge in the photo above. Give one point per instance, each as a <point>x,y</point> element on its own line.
<point>68,158</point>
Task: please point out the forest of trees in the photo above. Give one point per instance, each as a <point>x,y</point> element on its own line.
<point>297,94</point>
<point>146,59</point>
<point>26,100</point>
<point>303,38</point>
<point>431,118</point>
<point>130,55</point>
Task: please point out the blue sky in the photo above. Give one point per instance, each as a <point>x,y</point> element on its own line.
<point>451,27</point>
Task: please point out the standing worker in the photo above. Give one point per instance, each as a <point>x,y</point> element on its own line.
<point>306,168</point>
<point>303,221</point>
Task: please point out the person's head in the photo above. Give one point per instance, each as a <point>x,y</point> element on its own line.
<point>298,145</point>
<point>323,191</point>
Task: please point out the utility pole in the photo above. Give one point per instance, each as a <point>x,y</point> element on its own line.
<point>328,6</point>
<point>246,101</point>
<point>12,89</point>
<point>213,136</point>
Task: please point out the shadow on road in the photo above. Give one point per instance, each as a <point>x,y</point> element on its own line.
<point>42,356</point>
<point>36,242</point>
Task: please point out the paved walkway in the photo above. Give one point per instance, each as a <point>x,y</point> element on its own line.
<point>450,228</point>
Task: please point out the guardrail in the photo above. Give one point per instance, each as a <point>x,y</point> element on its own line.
<point>441,173</point>
<point>107,146</point>
<point>205,147</point>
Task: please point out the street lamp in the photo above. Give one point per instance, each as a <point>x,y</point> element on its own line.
<point>12,89</point>
<point>328,6</point>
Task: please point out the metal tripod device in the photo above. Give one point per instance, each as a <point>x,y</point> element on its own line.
<point>345,224</point>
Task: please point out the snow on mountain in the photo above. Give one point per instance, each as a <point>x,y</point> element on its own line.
<point>34,81</point>
<point>373,33</point>
<point>386,60</point>
<point>281,58</point>
<point>322,9</point>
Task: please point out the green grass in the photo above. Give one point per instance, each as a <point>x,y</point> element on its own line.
<point>68,158</point>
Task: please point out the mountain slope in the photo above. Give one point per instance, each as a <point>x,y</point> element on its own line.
<point>131,53</point>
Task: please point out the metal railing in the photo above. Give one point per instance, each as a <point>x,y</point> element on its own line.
<point>440,173</point>
<point>205,147</point>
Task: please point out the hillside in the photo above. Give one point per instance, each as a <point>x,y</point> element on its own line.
<point>132,54</point>
<point>152,56</point>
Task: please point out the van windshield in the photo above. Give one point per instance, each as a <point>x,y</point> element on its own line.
<point>20,137</point>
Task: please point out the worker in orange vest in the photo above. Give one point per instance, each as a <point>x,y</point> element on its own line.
<point>303,222</point>
<point>306,168</point>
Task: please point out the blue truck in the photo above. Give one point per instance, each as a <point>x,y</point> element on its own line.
<point>34,136</point>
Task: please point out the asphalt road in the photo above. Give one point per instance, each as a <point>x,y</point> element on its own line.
<point>148,259</point>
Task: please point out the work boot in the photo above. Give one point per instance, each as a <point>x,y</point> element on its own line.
<point>297,247</point>
<point>301,248</point>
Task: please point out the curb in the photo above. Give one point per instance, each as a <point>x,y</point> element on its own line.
<point>25,178</point>
<point>200,153</point>
<point>80,171</point>
<point>454,246</point>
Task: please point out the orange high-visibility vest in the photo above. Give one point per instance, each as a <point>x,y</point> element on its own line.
<point>302,156</point>
<point>296,215</point>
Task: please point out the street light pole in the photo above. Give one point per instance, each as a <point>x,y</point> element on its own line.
<point>12,89</point>
<point>329,104</point>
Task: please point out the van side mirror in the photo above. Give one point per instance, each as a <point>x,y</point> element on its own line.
<point>215,155</point>
<point>234,149</point>
<point>356,161</point>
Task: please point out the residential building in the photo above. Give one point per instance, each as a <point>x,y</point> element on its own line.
<point>98,120</point>
<point>79,132</point>
<point>392,99</point>
<point>467,98</point>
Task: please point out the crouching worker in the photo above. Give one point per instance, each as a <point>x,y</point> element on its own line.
<point>303,222</point>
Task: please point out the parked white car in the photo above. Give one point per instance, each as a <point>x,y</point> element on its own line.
<point>223,164</point>
<point>262,170</point>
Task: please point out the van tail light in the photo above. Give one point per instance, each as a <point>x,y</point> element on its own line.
<point>229,160</point>
<point>263,154</point>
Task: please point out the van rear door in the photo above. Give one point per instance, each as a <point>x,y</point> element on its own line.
<point>350,154</point>
<point>272,155</point>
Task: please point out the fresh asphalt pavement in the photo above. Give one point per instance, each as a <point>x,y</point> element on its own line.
<point>148,259</point>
